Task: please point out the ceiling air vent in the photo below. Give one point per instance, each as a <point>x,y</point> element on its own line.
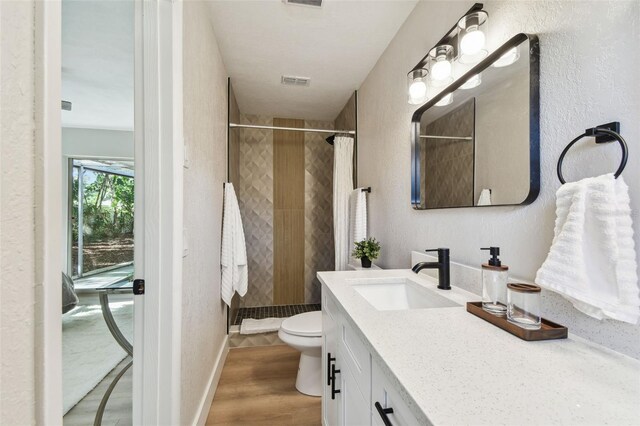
<point>289,80</point>
<point>314,3</point>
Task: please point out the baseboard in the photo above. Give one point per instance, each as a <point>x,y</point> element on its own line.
<point>205,404</point>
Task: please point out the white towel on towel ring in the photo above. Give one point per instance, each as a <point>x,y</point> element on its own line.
<point>592,260</point>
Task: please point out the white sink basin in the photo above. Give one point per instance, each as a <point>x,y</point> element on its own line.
<point>401,294</point>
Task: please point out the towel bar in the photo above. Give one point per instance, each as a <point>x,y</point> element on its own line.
<point>604,133</point>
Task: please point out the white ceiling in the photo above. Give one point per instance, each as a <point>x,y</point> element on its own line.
<point>335,45</point>
<point>97,63</point>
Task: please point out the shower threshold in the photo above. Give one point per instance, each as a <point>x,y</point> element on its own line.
<point>279,311</point>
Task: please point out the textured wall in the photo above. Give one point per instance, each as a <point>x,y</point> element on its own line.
<point>256,208</point>
<point>588,77</point>
<point>205,136</point>
<point>234,140</point>
<point>17,237</point>
<point>348,120</point>
<point>318,208</point>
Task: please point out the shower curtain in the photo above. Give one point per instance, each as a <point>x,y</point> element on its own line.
<point>342,187</point>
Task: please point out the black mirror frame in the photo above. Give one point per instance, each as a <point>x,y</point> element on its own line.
<point>534,119</point>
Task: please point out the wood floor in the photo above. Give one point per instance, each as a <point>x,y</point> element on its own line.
<point>257,387</point>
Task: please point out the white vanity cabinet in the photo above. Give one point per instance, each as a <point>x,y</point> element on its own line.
<point>353,383</point>
<point>330,399</point>
<point>390,403</point>
<point>393,372</point>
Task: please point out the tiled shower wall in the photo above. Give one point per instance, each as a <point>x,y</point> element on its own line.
<point>256,207</point>
<point>447,175</point>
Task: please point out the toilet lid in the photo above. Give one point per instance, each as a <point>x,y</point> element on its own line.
<point>307,324</point>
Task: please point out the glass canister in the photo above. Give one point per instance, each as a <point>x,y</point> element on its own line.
<point>523,305</point>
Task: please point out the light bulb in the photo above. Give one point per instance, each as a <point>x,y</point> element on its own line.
<point>417,86</point>
<point>418,89</point>
<point>473,81</point>
<point>508,58</point>
<point>441,70</point>
<point>446,100</point>
<point>472,42</point>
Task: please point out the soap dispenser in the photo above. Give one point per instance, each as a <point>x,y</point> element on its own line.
<point>494,283</point>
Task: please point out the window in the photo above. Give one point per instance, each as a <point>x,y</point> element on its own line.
<point>102,205</point>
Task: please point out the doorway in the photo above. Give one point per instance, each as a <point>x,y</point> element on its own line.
<point>98,197</point>
<point>97,333</point>
<point>157,105</point>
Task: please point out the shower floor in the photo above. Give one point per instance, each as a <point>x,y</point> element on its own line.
<point>281,311</point>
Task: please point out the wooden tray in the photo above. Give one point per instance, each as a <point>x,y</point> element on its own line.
<point>549,330</point>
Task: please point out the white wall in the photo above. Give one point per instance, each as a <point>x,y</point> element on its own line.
<point>589,65</point>
<point>205,138</point>
<point>17,214</point>
<point>88,143</point>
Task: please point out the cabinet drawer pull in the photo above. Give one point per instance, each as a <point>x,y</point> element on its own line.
<point>334,391</point>
<point>330,359</point>
<point>383,414</point>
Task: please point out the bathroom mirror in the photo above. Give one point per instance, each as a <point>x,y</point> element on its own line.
<point>476,143</point>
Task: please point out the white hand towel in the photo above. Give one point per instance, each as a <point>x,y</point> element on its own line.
<point>233,254</point>
<point>485,198</point>
<point>357,217</point>
<point>592,260</point>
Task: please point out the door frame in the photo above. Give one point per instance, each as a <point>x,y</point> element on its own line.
<point>158,139</point>
<point>48,214</point>
<point>160,149</point>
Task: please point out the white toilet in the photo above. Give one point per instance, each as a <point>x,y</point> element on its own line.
<point>304,333</point>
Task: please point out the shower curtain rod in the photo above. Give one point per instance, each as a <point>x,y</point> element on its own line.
<point>465,138</point>
<point>297,129</point>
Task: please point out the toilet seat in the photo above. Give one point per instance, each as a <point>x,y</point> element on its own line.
<point>308,324</point>
<point>304,333</point>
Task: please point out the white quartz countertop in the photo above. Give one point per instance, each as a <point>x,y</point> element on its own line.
<point>455,368</point>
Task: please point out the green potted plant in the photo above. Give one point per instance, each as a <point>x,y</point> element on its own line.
<point>366,250</point>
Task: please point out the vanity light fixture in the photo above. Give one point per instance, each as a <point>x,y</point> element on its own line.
<point>465,43</point>
<point>417,82</point>
<point>510,57</point>
<point>472,36</point>
<point>473,81</point>
<point>446,100</point>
